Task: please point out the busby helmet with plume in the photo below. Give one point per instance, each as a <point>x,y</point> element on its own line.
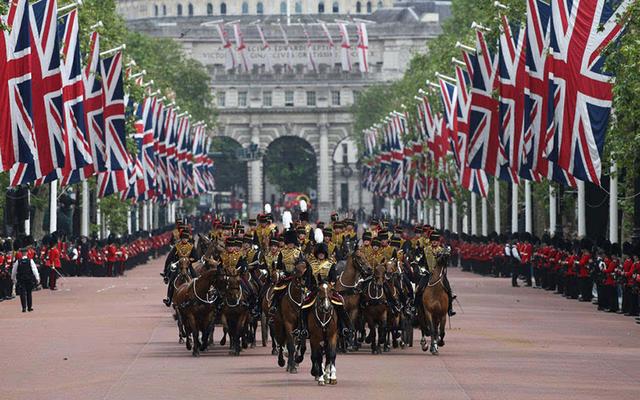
<point>304,214</point>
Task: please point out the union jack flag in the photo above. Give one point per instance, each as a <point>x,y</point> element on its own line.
<point>46,86</point>
<point>485,149</point>
<point>536,102</point>
<point>78,151</point>
<point>18,142</point>
<point>117,159</point>
<point>582,94</point>
<point>93,104</point>
<point>170,151</point>
<point>511,86</point>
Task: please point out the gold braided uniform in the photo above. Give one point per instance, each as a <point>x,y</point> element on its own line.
<point>250,254</point>
<point>376,257</point>
<point>367,252</point>
<point>289,258</point>
<point>230,260</point>
<point>264,235</point>
<point>183,249</point>
<point>430,251</point>
<point>387,251</point>
<point>332,250</point>
<point>321,267</point>
<point>270,259</point>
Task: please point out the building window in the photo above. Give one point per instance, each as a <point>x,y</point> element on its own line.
<point>345,153</point>
<point>358,7</point>
<point>266,99</point>
<point>260,8</point>
<point>335,97</point>
<point>288,98</point>
<point>242,99</point>
<point>179,10</point>
<point>356,96</point>
<point>245,8</point>
<point>223,8</point>
<point>380,5</point>
<point>155,10</point>
<point>321,8</point>
<point>311,99</point>
<point>336,7</point>
<point>190,8</point>
<point>209,9</point>
<point>283,8</point>
<point>369,7</point>
<point>298,8</point>
<point>164,10</point>
<point>222,99</point>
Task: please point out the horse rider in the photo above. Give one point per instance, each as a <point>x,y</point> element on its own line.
<point>264,231</point>
<point>290,256</point>
<point>323,269</point>
<point>235,258</point>
<point>426,262</point>
<point>400,256</point>
<point>184,248</point>
<point>377,256</point>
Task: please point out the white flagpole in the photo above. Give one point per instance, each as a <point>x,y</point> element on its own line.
<point>99,218</point>
<point>552,210</point>
<point>496,205</point>
<point>84,225</point>
<point>474,212</point>
<point>613,204</point>
<point>582,216</point>
<point>53,207</point>
<point>514,208</point>
<point>454,217</point>
<point>465,218</point>
<point>446,215</point>
<point>485,222</point>
<point>27,222</point>
<point>528,220</point>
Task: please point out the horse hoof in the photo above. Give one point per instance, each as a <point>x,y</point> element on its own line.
<point>333,382</point>
<point>223,341</point>
<point>196,354</point>
<point>441,343</point>
<point>293,370</point>
<point>367,340</point>
<point>188,345</point>
<point>281,363</point>
<point>180,341</point>
<point>425,347</point>
<point>386,349</point>
<point>434,352</point>
<point>274,352</point>
<point>320,383</point>
<point>299,359</point>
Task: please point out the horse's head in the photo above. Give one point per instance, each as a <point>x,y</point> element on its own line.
<point>183,265</point>
<point>391,267</point>
<point>300,268</point>
<point>232,284</point>
<point>379,273</point>
<point>323,298</point>
<point>360,263</point>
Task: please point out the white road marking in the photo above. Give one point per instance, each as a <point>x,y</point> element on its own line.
<point>105,289</point>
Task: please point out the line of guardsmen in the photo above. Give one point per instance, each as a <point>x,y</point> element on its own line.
<point>604,273</point>
<point>260,247</point>
<point>57,256</point>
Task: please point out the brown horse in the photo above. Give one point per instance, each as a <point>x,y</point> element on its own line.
<point>435,306</point>
<point>265,305</point>
<point>287,318</point>
<point>376,309</point>
<point>355,270</point>
<point>323,335</point>
<point>196,310</point>
<point>394,315</point>
<point>235,311</point>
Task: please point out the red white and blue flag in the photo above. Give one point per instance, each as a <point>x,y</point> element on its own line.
<point>16,123</point>
<point>581,89</point>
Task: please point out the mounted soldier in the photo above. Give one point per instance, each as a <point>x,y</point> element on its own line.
<point>183,249</point>
<point>425,263</point>
<point>323,269</point>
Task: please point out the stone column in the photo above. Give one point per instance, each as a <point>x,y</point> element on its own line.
<point>613,204</point>
<point>256,200</point>
<point>324,179</point>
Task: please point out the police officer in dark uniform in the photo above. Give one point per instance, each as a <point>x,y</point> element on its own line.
<point>25,275</point>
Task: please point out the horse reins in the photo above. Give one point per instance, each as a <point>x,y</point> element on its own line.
<point>439,279</point>
<point>195,292</point>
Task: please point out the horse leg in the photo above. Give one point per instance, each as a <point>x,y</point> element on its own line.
<point>434,334</point>
<point>383,330</point>
<point>195,333</point>
<point>330,351</point>
<point>281,357</point>
<point>291,348</point>
<point>264,329</point>
<point>223,322</point>
<point>443,323</point>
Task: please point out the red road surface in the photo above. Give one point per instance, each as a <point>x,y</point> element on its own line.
<point>112,338</point>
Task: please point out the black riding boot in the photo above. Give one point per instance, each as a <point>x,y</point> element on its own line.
<point>275,302</point>
<point>424,281</point>
<point>345,324</point>
<point>447,287</point>
<point>302,331</point>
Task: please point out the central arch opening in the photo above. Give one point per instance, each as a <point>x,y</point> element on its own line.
<point>230,197</point>
<point>289,172</point>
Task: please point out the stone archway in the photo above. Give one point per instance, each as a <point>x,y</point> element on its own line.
<point>230,172</point>
<point>289,165</point>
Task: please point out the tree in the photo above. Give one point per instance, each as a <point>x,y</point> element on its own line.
<point>290,163</point>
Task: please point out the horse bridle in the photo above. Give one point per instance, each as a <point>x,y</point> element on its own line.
<point>302,291</point>
<point>324,322</point>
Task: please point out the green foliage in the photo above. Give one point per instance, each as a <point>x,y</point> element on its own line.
<point>114,212</point>
<point>229,171</point>
<point>623,61</point>
<point>291,164</point>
